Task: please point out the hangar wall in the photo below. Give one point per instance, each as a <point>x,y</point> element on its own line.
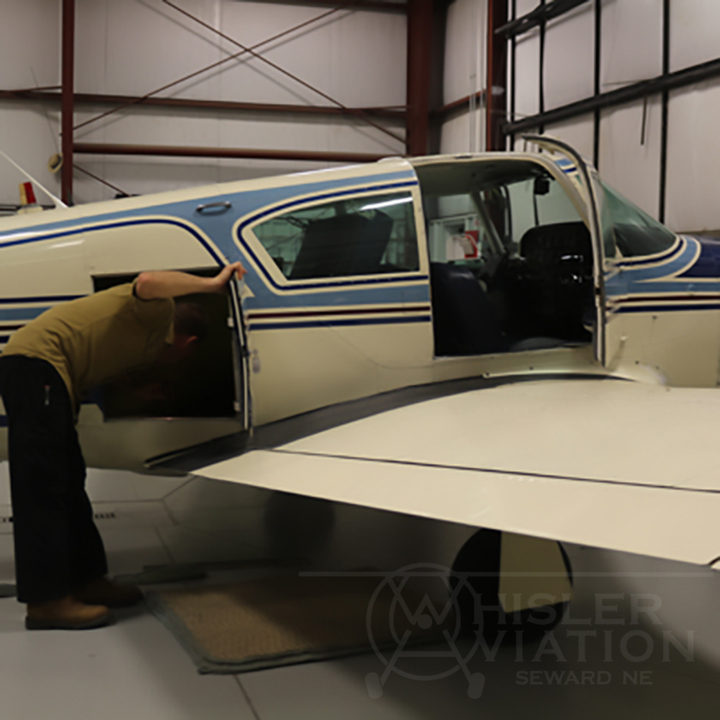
<point>29,53</point>
<point>464,75</point>
<point>630,150</point>
<point>359,58</point>
<point>356,57</point>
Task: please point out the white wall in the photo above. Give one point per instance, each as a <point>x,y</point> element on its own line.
<point>631,45</point>
<point>627,164</point>
<point>570,35</point>
<point>29,52</point>
<point>527,64</point>
<point>131,47</point>
<point>631,51</point>
<point>465,73</point>
<point>693,32</point>
<point>694,158</point>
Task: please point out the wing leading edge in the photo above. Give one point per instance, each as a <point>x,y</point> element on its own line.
<point>607,463</point>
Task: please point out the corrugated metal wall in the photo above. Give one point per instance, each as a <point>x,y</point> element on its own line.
<point>630,137</point>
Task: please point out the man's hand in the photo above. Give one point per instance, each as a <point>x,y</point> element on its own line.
<point>170,284</point>
<point>223,277</point>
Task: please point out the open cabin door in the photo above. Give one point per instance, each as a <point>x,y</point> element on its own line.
<point>606,344</point>
<point>143,419</point>
<point>236,321</point>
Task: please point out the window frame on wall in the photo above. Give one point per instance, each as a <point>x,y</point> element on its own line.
<point>280,280</point>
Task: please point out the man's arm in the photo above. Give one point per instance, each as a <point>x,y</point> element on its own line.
<point>170,284</point>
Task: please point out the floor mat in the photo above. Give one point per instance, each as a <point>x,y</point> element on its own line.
<point>261,623</point>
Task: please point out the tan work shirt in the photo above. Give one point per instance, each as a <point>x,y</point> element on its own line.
<point>97,337</point>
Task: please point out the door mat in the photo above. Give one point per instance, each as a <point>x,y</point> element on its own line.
<point>183,572</point>
<point>268,622</point>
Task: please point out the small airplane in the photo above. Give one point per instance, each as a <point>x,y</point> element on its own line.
<point>496,339</point>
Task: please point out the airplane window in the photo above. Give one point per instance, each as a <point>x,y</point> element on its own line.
<point>636,233</point>
<point>356,236</point>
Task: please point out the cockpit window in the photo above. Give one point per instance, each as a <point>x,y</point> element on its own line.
<point>357,236</point>
<point>636,233</point>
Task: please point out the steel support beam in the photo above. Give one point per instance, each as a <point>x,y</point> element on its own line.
<point>212,152</point>
<point>496,105</point>
<point>392,114</point>
<point>629,93</point>
<point>68,93</point>
<point>665,107</point>
<point>419,47</point>
<point>372,5</point>
<point>596,82</point>
<point>537,17</point>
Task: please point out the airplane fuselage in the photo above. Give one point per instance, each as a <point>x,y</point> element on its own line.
<point>356,274</point>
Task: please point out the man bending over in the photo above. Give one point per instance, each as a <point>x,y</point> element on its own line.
<point>45,369</point>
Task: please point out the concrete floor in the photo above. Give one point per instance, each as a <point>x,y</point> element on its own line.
<point>641,639</point>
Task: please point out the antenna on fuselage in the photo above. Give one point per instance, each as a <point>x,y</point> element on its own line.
<point>56,201</point>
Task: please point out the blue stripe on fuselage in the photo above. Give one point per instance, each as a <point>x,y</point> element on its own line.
<point>388,292</point>
<point>338,323</point>
<point>640,261</point>
<point>671,275</point>
<point>708,264</point>
<point>51,299</point>
<point>679,307</point>
<point>357,291</point>
<point>244,202</point>
<point>664,267</point>
<point>22,314</point>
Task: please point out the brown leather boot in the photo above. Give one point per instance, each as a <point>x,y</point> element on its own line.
<point>66,614</point>
<point>100,591</point>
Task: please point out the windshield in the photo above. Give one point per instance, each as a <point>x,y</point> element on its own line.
<point>636,233</point>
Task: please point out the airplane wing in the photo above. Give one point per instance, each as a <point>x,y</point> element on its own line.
<point>601,462</point>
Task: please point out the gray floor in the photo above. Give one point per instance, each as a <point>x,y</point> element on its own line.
<point>641,639</point>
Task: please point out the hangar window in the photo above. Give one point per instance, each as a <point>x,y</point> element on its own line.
<point>357,236</point>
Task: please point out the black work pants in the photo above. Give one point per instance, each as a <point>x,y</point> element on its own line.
<point>57,546</point>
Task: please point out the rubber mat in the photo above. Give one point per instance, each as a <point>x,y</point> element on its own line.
<point>268,622</point>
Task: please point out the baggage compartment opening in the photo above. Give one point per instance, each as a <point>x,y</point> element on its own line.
<point>202,385</point>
